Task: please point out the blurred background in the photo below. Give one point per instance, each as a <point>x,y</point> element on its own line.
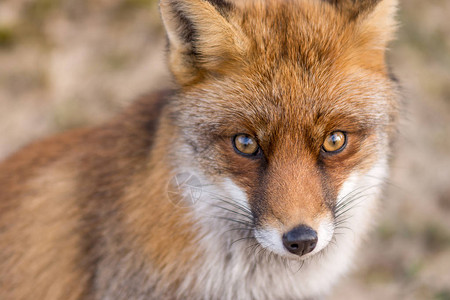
<point>72,63</point>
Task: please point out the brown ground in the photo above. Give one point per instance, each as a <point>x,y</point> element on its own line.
<point>67,63</point>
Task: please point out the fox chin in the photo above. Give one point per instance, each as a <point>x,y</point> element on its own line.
<point>257,177</point>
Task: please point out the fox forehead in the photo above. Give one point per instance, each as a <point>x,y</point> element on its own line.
<point>310,33</point>
<point>306,32</point>
<point>285,99</point>
<point>301,64</point>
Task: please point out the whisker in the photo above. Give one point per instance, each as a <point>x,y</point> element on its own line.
<point>352,199</point>
<point>355,202</point>
<point>234,203</point>
<point>344,227</point>
<point>241,239</point>
<point>234,212</point>
<point>226,199</point>
<point>234,220</point>
<point>346,199</point>
<point>240,228</point>
<point>253,246</point>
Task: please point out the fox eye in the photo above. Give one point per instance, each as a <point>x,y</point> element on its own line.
<point>245,145</point>
<point>335,142</point>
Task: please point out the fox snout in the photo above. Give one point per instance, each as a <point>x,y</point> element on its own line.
<point>301,240</point>
<point>292,206</point>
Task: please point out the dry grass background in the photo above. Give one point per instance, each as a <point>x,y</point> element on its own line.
<point>71,63</point>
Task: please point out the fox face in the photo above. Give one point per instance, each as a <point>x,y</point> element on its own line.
<point>285,112</point>
<point>287,109</point>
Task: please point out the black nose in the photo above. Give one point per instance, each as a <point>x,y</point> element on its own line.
<point>301,240</point>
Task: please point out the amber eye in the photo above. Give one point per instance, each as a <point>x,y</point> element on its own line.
<point>335,142</point>
<point>245,144</point>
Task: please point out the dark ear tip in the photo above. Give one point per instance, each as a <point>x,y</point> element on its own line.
<point>222,6</point>
<point>354,7</point>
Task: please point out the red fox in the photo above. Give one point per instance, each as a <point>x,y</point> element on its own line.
<point>256,178</point>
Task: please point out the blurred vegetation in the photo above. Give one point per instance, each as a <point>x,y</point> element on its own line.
<point>7,37</point>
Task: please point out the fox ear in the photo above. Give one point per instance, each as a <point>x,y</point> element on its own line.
<point>378,24</point>
<point>376,19</point>
<point>354,8</point>
<point>201,38</point>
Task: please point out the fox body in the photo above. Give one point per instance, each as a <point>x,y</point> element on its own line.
<point>284,115</point>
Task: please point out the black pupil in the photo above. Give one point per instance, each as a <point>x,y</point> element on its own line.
<point>335,139</point>
<point>245,141</point>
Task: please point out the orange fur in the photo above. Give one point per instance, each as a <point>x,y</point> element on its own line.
<point>86,215</point>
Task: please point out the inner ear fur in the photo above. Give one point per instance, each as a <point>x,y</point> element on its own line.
<point>379,23</point>
<point>374,21</point>
<point>201,38</point>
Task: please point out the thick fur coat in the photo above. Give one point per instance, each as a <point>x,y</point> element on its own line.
<point>90,214</point>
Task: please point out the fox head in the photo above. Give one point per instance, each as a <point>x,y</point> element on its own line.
<point>287,109</point>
